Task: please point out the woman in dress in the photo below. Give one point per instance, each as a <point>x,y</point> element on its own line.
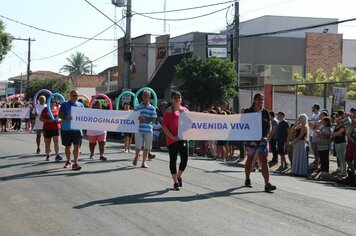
<point>175,146</point>
<point>300,154</point>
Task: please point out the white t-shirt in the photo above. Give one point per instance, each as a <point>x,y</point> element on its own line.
<point>314,117</point>
<point>38,110</point>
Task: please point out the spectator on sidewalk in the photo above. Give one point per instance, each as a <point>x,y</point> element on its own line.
<point>282,134</point>
<point>272,138</point>
<point>314,124</point>
<point>339,137</point>
<point>323,144</point>
<point>300,154</point>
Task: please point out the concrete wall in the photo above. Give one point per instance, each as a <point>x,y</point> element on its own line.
<point>276,23</point>
<point>272,51</point>
<point>349,53</point>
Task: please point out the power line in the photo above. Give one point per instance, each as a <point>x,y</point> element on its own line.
<point>18,57</point>
<point>38,59</point>
<point>105,16</point>
<point>184,9</point>
<point>104,55</point>
<point>182,19</point>
<point>52,32</point>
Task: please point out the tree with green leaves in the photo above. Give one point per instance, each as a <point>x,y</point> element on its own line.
<point>5,41</point>
<point>78,64</point>
<point>62,86</point>
<point>340,75</point>
<point>206,83</point>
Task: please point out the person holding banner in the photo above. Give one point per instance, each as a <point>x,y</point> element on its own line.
<point>97,136</point>
<point>70,136</point>
<point>145,135</point>
<point>175,146</point>
<point>127,136</point>
<point>3,121</point>
<point>259,147</point>
<point>51,129</point>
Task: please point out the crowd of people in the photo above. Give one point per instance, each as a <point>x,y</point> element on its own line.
<point>324,134</point>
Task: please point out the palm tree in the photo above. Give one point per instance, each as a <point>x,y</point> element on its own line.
<point>78,64</point>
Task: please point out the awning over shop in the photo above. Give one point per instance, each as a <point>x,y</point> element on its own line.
<point>166,73</point>
<point>14,96</point>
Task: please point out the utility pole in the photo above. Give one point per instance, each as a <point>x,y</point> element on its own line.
<point>237,54</point>
<point>127,52</point>
<point>28,58</point>
<point>28,63</point>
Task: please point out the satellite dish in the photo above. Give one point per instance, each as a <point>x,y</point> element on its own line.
<point>118,3</point>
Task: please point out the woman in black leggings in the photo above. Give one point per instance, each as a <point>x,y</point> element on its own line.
<point>175,146</point>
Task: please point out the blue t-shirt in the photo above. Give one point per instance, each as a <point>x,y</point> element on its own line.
<point>66,109</point>
<point>146,111</point>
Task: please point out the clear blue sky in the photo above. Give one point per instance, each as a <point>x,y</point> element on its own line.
<point>78,18</point>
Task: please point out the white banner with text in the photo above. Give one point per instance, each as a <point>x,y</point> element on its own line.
<point>15,113</point>
<point>109,120</point>
<point>205,126</point>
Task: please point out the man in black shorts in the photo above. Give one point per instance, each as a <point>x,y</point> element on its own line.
<point>70,136</point>
<point>282,134</point>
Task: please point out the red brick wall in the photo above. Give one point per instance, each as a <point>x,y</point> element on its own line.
<point>324,51</point>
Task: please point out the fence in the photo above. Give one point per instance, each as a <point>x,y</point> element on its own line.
<point>286,98</point>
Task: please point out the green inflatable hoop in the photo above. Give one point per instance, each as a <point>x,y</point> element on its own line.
<point>122,94</point>
<point>155,102</point>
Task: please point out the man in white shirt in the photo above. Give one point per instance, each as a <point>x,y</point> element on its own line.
<point>39,124</point>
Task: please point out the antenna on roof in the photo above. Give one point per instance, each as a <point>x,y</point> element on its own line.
<point>164,21</point>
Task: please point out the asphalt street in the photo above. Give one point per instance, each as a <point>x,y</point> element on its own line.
<point>116,198</point>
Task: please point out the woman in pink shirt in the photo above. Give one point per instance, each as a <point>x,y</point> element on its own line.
<point>175,146</point>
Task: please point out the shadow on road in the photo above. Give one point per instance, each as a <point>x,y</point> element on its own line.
<point>151,197</point>
<point>60,172</point>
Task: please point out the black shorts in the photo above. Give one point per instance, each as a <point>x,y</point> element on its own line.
<point>222,143</point>
<point>3,121</point>
<point>50,133</point>
<point>282,147</point>
<point>71,137</point>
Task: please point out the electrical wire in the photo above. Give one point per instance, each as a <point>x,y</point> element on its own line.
<point>18,57</point>
<point>105,15</point>
<point>52,32</point>
<point>104,55</point>
<point>38,59</point>
<point>182,19</point>
<point>185,9</point>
